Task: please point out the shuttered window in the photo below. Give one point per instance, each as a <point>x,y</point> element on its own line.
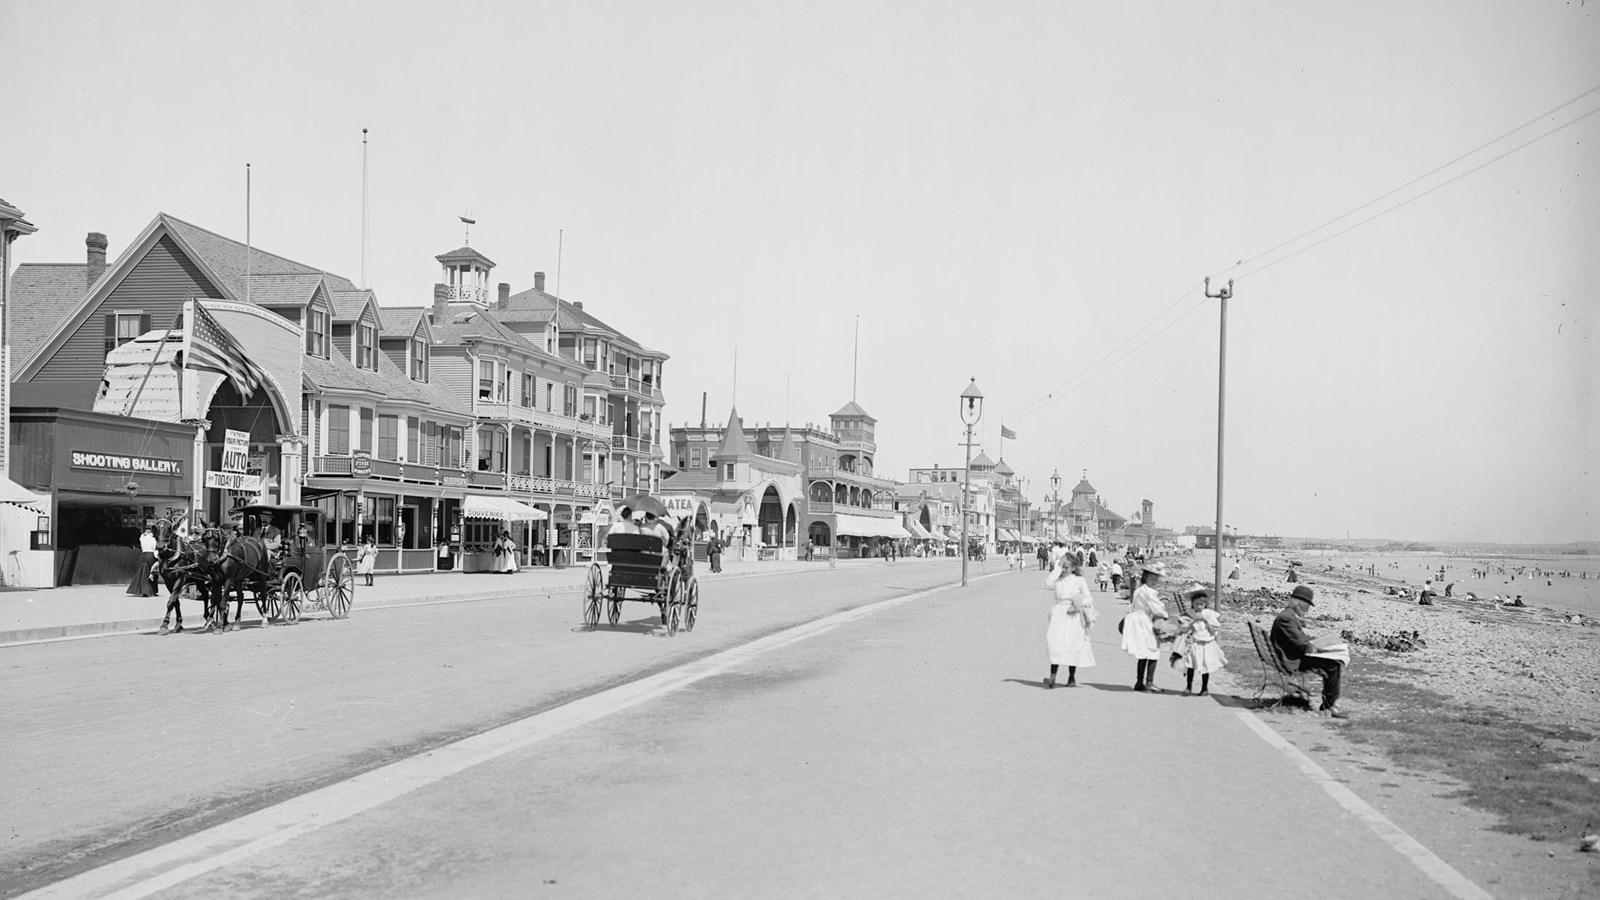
<point>430,443</point>
<point>413,439</point>
<point>388,437</point>
<point>366,429</point>
<point>338,430</point>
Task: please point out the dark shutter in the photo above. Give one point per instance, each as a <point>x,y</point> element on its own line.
<point>144,323</point>
<point>111,332</point>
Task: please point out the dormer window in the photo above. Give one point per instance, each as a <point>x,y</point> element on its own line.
<point>317,338</point>
<point>367,348</point>
<point>419,359</point>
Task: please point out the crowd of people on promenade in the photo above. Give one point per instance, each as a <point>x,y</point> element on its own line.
<point>1182,629</point>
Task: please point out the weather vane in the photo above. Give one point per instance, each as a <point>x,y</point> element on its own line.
<point>469,221</point>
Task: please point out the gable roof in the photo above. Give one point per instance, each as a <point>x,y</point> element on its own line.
<point>42,295</point>
<point>283,290</point>
<point>349,305</point>
<point>534,305</point>
<point>225,258</point>
<point>339,374</point>
<point>853,410</point>
<point>401,321</point>
<point>982,461</point>
<point>468,322</point>
<point>1001,468</point>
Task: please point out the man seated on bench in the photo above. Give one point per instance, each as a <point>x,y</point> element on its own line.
<point>1304,654</point>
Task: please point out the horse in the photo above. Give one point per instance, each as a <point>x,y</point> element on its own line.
<point>245,560</point>
<point>182,562</point>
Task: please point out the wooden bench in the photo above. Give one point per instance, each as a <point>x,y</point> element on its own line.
<point>1275,671</point>
<point>636,560</point>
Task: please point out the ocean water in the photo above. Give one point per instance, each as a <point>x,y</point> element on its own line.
<point>1574,593</point>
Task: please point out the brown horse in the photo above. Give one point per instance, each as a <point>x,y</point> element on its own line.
<point>244,561</point>
<point>182,562</point>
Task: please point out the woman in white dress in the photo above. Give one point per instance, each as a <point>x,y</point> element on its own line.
<point>1139,628</point>
<point>1066,636</point>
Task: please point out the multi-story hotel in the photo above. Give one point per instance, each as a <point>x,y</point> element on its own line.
<point>429,428</point>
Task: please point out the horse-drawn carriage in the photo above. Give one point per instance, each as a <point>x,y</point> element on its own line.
<point>647,569</point>
<point>298,572</point>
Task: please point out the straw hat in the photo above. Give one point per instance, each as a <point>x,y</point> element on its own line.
<point>1156,568</point>
<point>1197,589</point>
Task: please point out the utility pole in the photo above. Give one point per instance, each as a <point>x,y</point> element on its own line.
<point>1223,295</point>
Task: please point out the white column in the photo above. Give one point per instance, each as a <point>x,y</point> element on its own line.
<point>197,502</point>
<point>290,452</point>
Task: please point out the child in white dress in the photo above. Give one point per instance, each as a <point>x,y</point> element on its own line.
<point>1205,652</point>
<point>1139,637</point>
<point>1066,635</point>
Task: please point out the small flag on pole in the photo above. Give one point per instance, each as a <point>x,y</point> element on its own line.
<point>211,348</point>
<point>1007,433</point>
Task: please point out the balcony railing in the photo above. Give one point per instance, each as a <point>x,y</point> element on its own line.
<point>543,418</point>
<point>635,444</point>
<point>824,507</point>
<point>821,471</point>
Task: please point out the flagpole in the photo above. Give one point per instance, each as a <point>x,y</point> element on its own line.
<point>247,232</point>
<point>149,369</point>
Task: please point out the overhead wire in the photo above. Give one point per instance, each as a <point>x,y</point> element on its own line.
<point>1068,387</point>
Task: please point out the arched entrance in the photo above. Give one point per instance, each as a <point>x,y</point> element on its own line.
<point>791,528</point>
<point>820,534</point>
<point>769,518</point>
<point>258,417</point>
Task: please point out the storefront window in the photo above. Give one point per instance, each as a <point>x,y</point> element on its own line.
<point>377,520</point>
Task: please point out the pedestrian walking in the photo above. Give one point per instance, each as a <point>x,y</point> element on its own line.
<point>1066,634</point>
<point>1043,553</point>
<point>714,552</point>
<point>1116,575</point>
<point>1139,638</point>
<point>367,558</point>
<point>1205,652</point>
<point>144,582</point>
<point>1103,576</point>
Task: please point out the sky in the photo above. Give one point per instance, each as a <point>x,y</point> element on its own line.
<point>1025,194</point>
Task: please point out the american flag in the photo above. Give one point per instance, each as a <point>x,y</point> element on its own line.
<point>210,347</point>
<point>1007,433</point>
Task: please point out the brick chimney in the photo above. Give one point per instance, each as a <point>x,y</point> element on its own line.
<point>504,300</point>
<point>538,281</point>
<point>441,303</point>
<point>96,245</point>
<point>577,304</point>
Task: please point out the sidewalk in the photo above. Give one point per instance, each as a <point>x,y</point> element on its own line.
<point>105,609</point>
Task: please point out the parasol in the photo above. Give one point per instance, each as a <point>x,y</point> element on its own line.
<point>644,503</point>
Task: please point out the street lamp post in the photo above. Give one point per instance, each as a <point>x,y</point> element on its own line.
<point>971,407</point>
<point>1055,496</point>
<point>1223,295</point>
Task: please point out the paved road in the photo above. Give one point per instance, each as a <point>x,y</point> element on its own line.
<point>909,752</point>
<point>111,744</point>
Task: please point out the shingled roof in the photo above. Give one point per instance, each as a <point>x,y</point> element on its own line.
<point>534,305</point>
<point>401,321</point>
<point>853,410</point>
<point>734,445</point>
<point>468,322</point>
<point>42,294</point>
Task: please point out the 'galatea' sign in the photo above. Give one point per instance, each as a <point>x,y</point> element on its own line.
<point>115,462</point>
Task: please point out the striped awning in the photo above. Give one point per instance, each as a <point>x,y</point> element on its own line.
<point>866,526</point>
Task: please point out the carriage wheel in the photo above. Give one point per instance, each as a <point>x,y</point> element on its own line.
<point>674,604</point>
<point>290,597</point>
<point>614,611</point>
<point>594,592</point>
<point>338,586</point>
<point>691,603</point>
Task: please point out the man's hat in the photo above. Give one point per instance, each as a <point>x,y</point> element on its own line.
<point>1158,568</point>
<point>1303,592</point>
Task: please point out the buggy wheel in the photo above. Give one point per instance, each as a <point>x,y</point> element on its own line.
<point>594,591</point>
<point>691,603</point>
<point>614,611</point>
<point>290,597</point>
<point>338,588</point>
<point>674,604</point>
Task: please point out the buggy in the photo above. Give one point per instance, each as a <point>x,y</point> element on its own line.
<point>646,570</point>
<point>303,574</point>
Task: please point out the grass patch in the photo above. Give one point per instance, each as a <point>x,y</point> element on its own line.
<point>1509,767</point>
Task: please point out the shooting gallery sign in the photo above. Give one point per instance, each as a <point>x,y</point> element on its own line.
<point>127,465</point>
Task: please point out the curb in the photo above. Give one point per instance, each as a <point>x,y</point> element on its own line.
<point>49,634</point>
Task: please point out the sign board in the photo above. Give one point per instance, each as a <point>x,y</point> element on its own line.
<point>235,451</point>
<point>234,481</point>
<point>116,462</point>
<point>681,504</point>
<point>455,480</point>
<point>361,464</point>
